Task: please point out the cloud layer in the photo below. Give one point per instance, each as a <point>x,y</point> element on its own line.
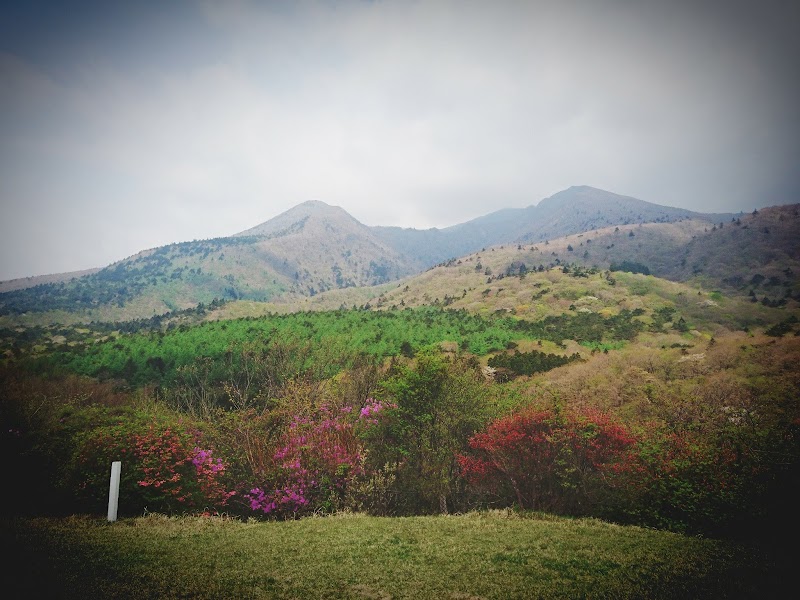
<point>125,127</point>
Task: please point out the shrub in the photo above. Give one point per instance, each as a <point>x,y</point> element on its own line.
<point>165,468</point>
<point>528,363</point>
<point>547,460</point>
<point>726,484</point>
<point>316,459</point>
<point>630,266</point>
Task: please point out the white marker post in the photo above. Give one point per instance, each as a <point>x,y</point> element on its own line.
<point>113,491</point>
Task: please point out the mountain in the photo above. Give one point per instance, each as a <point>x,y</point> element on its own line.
<point>320,247</point>
<point>309,249</point>
<point>315,247</point>
<point>27,282</point>
<point>728,275</point>
<point>577,209</point>
<point>583,208</point>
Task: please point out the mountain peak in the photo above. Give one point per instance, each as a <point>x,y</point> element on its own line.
<point>581,192</point>
<point>296,217</point>
<point>319,204</point>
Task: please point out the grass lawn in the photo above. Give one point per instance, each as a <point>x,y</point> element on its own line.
<point>478,555</point>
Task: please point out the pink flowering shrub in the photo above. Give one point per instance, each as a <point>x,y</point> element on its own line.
<point>373,409</point>
<point>316,460</point>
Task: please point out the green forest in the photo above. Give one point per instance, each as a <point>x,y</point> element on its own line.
<point>156,355</point>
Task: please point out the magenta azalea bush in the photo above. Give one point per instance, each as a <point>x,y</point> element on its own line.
<point>316,460</point>
<point>373,409</point>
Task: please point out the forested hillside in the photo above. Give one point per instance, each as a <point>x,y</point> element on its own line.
<point>308,250</point>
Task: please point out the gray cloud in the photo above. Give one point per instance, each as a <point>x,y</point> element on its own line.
<point>141,127</point>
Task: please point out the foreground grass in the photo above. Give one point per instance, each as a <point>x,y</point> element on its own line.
<point>479,555</point>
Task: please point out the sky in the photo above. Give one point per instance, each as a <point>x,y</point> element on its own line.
<point>130,125</point>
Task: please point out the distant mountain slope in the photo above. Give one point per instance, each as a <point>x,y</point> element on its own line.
<point>751,262</point>
<point>314,247</point>
<point>306,250</point>
<point>577,209</point>
<point>583,208</point>
<point>321,247</point>
<point>27,282</point>
<point>728,253</point>
<point>758,252</point>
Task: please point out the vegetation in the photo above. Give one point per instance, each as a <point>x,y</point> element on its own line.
<point>550,461</point>
<point>528,363</point>
<point>218,350</point>
<point>630,267</point>
<point>435,405</point>
<point>499,554</point>
<point>698,442</point>
<point>126,280</point>
<point>509,379</point>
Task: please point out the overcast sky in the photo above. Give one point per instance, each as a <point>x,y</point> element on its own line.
<point>129,125</point>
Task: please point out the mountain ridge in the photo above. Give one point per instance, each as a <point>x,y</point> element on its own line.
<point>563,213</point>
<point>738,272</point>
<point>315,247</point>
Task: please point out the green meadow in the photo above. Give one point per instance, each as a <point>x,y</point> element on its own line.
<point>494,554</point>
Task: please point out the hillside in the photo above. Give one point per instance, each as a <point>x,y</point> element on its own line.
<point>316,248</point>
<point>26,282</point>
<point>309,249</point>
<point>730,275</point>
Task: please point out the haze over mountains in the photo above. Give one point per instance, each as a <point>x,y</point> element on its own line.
<point>315,247</point>
<point>577,209</point>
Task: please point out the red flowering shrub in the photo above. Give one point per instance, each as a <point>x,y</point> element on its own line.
<point>543,460</point>
<point>182,475</point>
<point>584,463</point>
<point>164,468</point>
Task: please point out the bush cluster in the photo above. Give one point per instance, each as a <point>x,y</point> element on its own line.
<point>421,438</point>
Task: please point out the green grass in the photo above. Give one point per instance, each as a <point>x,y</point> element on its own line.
<point>478,555</point>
